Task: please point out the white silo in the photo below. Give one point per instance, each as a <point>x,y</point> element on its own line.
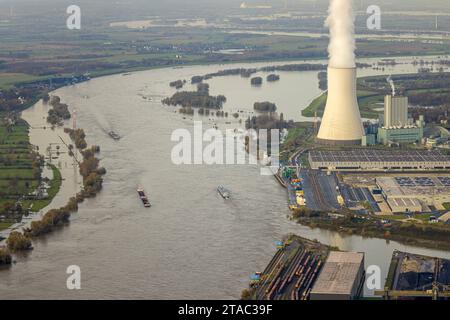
<point>341,122</point>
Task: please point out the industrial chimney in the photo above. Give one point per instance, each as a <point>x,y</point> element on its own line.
<point>341,122</point>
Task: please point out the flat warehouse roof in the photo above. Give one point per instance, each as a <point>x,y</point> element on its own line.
<point>416,187</point>
<point>339,274</point>
<point>404,202</point>
<point>379,156</point>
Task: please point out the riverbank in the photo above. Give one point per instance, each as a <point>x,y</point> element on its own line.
<point>409,235</point>
<point>63,175</point>
<point>107,228</point>
<point>27,184</point>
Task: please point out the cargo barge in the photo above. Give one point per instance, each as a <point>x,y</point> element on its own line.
<point>144,198</point>
<point>114,135</point>
<point>226,194</point>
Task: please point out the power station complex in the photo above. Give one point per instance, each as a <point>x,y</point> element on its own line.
<point>342,126</point>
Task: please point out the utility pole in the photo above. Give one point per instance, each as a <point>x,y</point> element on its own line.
<point>74,119</point>
<point>316,123</point>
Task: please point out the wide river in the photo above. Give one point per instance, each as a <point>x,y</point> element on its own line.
<point>191,244</point>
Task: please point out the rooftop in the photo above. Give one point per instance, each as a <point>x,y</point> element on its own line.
<point>404,202</point>
<point>339,273</point>
<point>417,187</point>
<point>379,156</point>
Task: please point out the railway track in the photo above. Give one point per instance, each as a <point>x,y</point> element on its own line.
<point>323,205</point>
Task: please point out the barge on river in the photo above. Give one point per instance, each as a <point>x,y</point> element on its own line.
<point>144,198</point>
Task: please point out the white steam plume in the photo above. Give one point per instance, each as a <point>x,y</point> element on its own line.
<point>391,82</point>
<point>341,21</point>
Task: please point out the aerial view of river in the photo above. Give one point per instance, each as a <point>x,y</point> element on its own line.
<point>191,244</point>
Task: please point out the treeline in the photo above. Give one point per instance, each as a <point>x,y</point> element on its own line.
<point>18,242</point>
<point>206,112</point>
<point>409,233</point>
<point>78,137</point>
<point>247,73</point>
<point>59,111</point>
<point>17,99</point>
<point>432,115</point>
<point>410,82</point>
<point>196,99</point>
<point>267,121</point>
<point>429,99</point>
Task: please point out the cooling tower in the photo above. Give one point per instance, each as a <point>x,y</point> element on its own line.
<point>341,122</point>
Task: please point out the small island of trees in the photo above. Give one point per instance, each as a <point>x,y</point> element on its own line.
<point>265,106</point>
<point>196,99</point>
<point>256,81</point>
<point>273,78</point>
<point>178,84</point>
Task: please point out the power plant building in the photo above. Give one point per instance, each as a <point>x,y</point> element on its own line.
<point>395,111</point>
<point>397,128</point>
<point>341,122</point>
<point>401,135</point>
<point>342,277</point>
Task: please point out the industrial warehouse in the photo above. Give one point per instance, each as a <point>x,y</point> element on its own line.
<point>407,194</point>
<point>376,160</point>
<point>342,277</point>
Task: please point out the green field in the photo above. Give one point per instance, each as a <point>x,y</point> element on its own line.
<point>18,175</point>
<point>367,100</point>
<point>4,226</point>
<point>55,185</point>
<point>293,134</point>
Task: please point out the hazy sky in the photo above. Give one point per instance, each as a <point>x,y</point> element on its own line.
<point>139,8</point>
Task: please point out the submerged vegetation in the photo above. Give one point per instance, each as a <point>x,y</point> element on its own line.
<point>59,111</point>
<point>78,137</point>
<point>196,99</point>
<point>18,242</point>
<point>265,106</point>
<point>5,257</point>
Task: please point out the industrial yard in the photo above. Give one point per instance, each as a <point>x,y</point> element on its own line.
<point>414,276</point>
<point>391,194</point>
<point>307,270</point>
<point>291,273</point>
